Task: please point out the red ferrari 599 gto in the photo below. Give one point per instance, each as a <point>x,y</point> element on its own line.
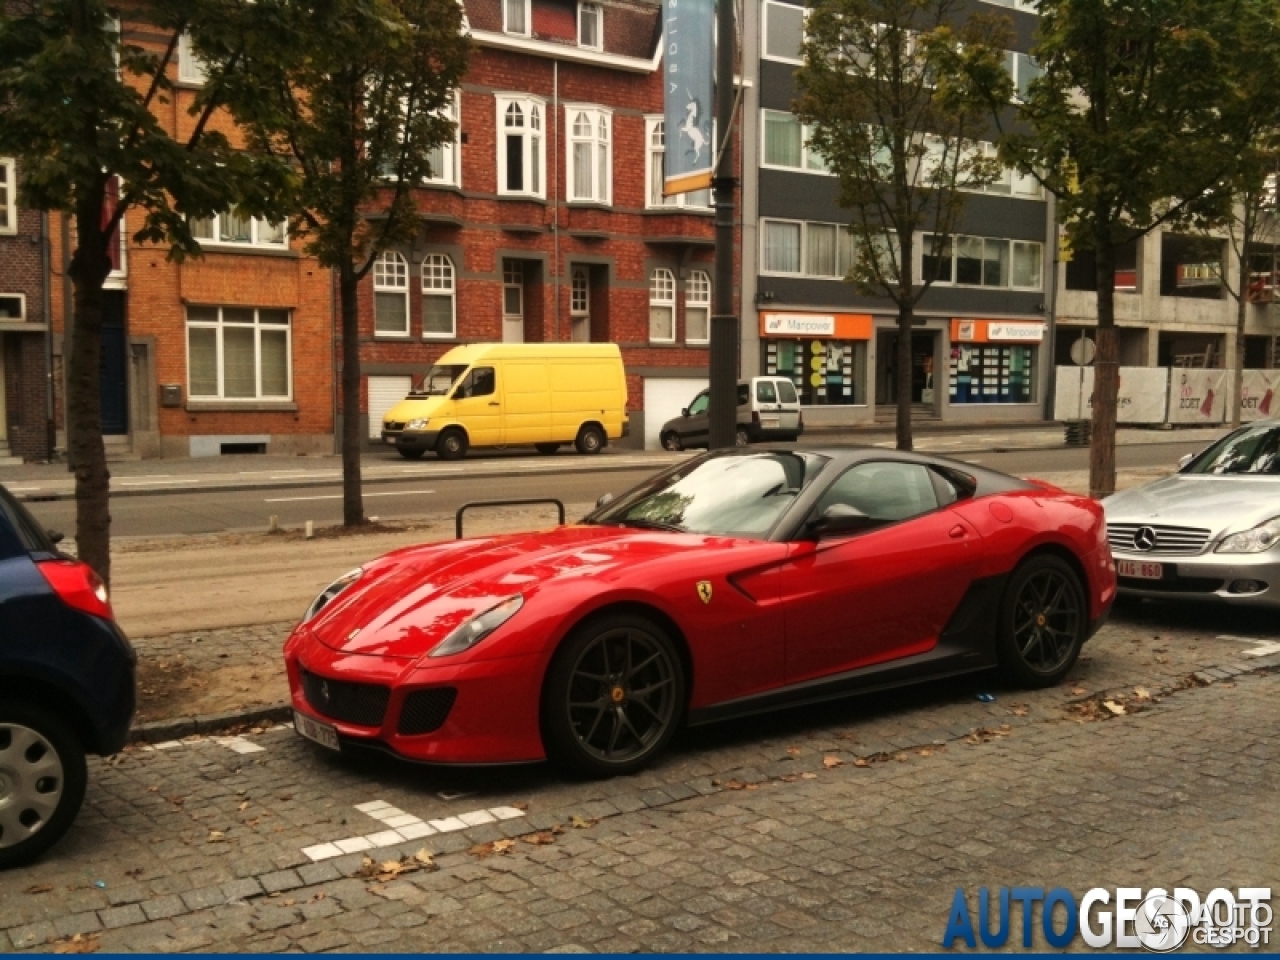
<point>735,582</point>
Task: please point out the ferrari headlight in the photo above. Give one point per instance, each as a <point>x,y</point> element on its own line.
<point>479,627</point>
<point>1261,538</point>
<point>331,591</point>
<point>420,424</point>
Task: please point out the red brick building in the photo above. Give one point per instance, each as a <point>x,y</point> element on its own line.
<point>545,220</point>
<point>229,352</point>
<point>24,397</point>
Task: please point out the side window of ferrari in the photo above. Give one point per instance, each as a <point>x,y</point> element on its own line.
<point>884,491</point>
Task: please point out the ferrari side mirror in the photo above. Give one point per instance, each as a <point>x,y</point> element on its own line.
<point>840,518</point>
<point>605,499</point>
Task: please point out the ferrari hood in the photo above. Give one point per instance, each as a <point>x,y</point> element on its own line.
<point>410,600</point>
<point>1218,503</point>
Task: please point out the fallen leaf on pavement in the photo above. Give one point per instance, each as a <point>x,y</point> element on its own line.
<point>216,836</point>
<point>581,823</point>
<point>926,752</point>
<point>861,762</point>
<point>829,762</point>
<point>425,857</point>
<point>808,776</point>
<point>494,846</point>
<point>1078,691</point>
<point>794,751</point>
<point>80,943</point>
<point>1142,693</point>
<point>390,869</point>
<point>39,888</point>
<point>1019,709</point>
<point>734,785</point>
<point>541,838</point>
<point>789,778</point>
<point>1117,709</point>
<point>521,805</point>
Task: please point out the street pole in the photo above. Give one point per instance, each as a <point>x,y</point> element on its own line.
<point>722,412</point>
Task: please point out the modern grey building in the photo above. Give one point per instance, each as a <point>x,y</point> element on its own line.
<point>980,346</point>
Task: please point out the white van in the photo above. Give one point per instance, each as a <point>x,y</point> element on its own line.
<point>768,409</point>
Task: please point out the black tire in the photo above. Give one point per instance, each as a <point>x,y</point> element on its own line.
<point>604,714</point>
<point>1044,618</point>
<point>546,447</point>
<point>671,441</point>
<point>452,444</point>
<point>411,454</point>
<point>42,781</point>
<point>591,440</point>
<point>741,437</point>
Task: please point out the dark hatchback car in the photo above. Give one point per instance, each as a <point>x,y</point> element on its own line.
<point>66,684</point>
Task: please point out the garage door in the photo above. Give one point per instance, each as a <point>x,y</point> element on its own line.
<point>384,393</point>
<point>664,399</point>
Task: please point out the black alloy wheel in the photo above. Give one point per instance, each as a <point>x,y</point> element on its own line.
<point>1044,619</point>
<point>741,438</point>
<point>614,696</point>
<point>451,445</point>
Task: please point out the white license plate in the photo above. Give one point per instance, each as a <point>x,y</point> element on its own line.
<point>1139,569</point>
<point>770,421</point>
<point>390,440</point>
<point>321,733</point>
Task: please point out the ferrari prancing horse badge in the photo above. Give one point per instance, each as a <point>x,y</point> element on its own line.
<point>704,590</point>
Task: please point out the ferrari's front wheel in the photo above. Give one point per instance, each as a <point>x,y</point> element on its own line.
<point>614,696</point>
<point>1044,618</point>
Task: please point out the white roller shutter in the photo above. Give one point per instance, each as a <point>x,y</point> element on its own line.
<point>384,393</point>
<point>664,399</point>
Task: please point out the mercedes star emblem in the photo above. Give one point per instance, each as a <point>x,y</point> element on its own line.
<point>1144,539</point>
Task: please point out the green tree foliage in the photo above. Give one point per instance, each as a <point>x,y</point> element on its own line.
<point>1145,107</point>
<point>354,92</point>
<point>894,90</point>
<point>77,109</point>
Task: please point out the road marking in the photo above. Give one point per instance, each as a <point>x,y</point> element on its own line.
<point>404,826</point>
<point>338,496</point>
<point>135,483</point>
<point>1264,648</point>
<point>239,744</point>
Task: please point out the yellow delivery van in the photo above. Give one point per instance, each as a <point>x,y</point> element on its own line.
<point>512,394</point>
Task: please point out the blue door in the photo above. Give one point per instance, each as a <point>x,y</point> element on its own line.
<point>114,367</point>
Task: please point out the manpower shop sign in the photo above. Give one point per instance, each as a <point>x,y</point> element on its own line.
<point>1169,395</point>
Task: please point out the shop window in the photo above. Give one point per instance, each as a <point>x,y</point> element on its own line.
<point>655,137</point>
<point>1191,266</point>
<point>1082,269</point>
<point>825,372</point>
<point>992,373</point>
<point>783,32</point>
<point>391,295</point>
<point>662,306</point>
<point>438,304</point>
<point>697,308</point>
<point>238,353</point>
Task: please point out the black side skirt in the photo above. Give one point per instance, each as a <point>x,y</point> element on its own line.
<point>967,644</point>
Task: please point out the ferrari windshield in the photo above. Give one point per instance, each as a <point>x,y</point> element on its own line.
<point>1253,450</point>
<point>735,495</point>
<point>440,379</point>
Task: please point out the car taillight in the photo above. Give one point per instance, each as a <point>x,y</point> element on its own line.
<point>78,586</point>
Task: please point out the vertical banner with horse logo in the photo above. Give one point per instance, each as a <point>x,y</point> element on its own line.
<point>688,58</point>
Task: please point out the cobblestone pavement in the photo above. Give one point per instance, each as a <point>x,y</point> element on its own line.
<point>845,827</point>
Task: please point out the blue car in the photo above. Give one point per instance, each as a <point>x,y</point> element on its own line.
<point>66,684</point>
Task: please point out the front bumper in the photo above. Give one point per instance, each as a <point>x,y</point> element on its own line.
<point>1215,577</point>
<point>493,717</point>
<point>415,441</point>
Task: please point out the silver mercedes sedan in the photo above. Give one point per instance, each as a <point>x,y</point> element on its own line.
<point>1211,531</point>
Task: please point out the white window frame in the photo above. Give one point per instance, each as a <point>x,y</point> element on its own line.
<point>390,277</point>
<point>532,152</point>
<point>662,293</point>
<point>1017,58</point>
<point>595,12</point>
<point>191,69</point>
<point>654,128</point>
<point>580,302</point>
<point>921,242</point>
<point>512,279</point>
<point>1025,5</point>
<point>697,296</point>
<point>806,132</point>
<point>844,249</point>
<point>21,299</point>
<point>600,141</point>
<point>258,326</point>
<point>257,228</point>
<point>764,31</point>
<point>452,149</point>
<point>437,269</point>
<point>528,18</point>
<point>9,196</point>
<point>1020,187</point>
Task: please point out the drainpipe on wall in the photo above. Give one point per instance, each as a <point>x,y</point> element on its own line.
<point>1051,311</point>
<point>555,199</point>
<point>50,424</point>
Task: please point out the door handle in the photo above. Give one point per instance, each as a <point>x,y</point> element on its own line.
<point>957,532</point>
<point>494,403</point>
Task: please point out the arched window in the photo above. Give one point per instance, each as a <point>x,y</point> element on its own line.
<point>391,295</point>
<point>697,308</point>
<point>590,156</point>
<point>438,297</point>
<point>662,306</point>
<point>521,153</point>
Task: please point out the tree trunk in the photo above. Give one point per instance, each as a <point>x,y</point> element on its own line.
<point>902,365</point>
<point>1106,374</point>
<point>352,500</point>
<point>86,455</point>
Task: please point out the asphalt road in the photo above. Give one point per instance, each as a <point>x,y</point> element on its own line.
<point>215,512</point>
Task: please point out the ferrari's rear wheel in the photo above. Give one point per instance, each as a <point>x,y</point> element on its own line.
<point>1043,621</point>
<point>614,696</point>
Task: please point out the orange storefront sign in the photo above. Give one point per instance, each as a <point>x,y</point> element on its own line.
<point>997,331</point>
<point>833,326</point>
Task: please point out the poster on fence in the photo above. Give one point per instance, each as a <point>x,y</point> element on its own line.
<point>1260,395</point>
<point>1141,398</point>
<point>1197,396</point>
<point>1067,404</point>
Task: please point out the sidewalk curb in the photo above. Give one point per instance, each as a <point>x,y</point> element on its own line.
<point>207,723</point>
